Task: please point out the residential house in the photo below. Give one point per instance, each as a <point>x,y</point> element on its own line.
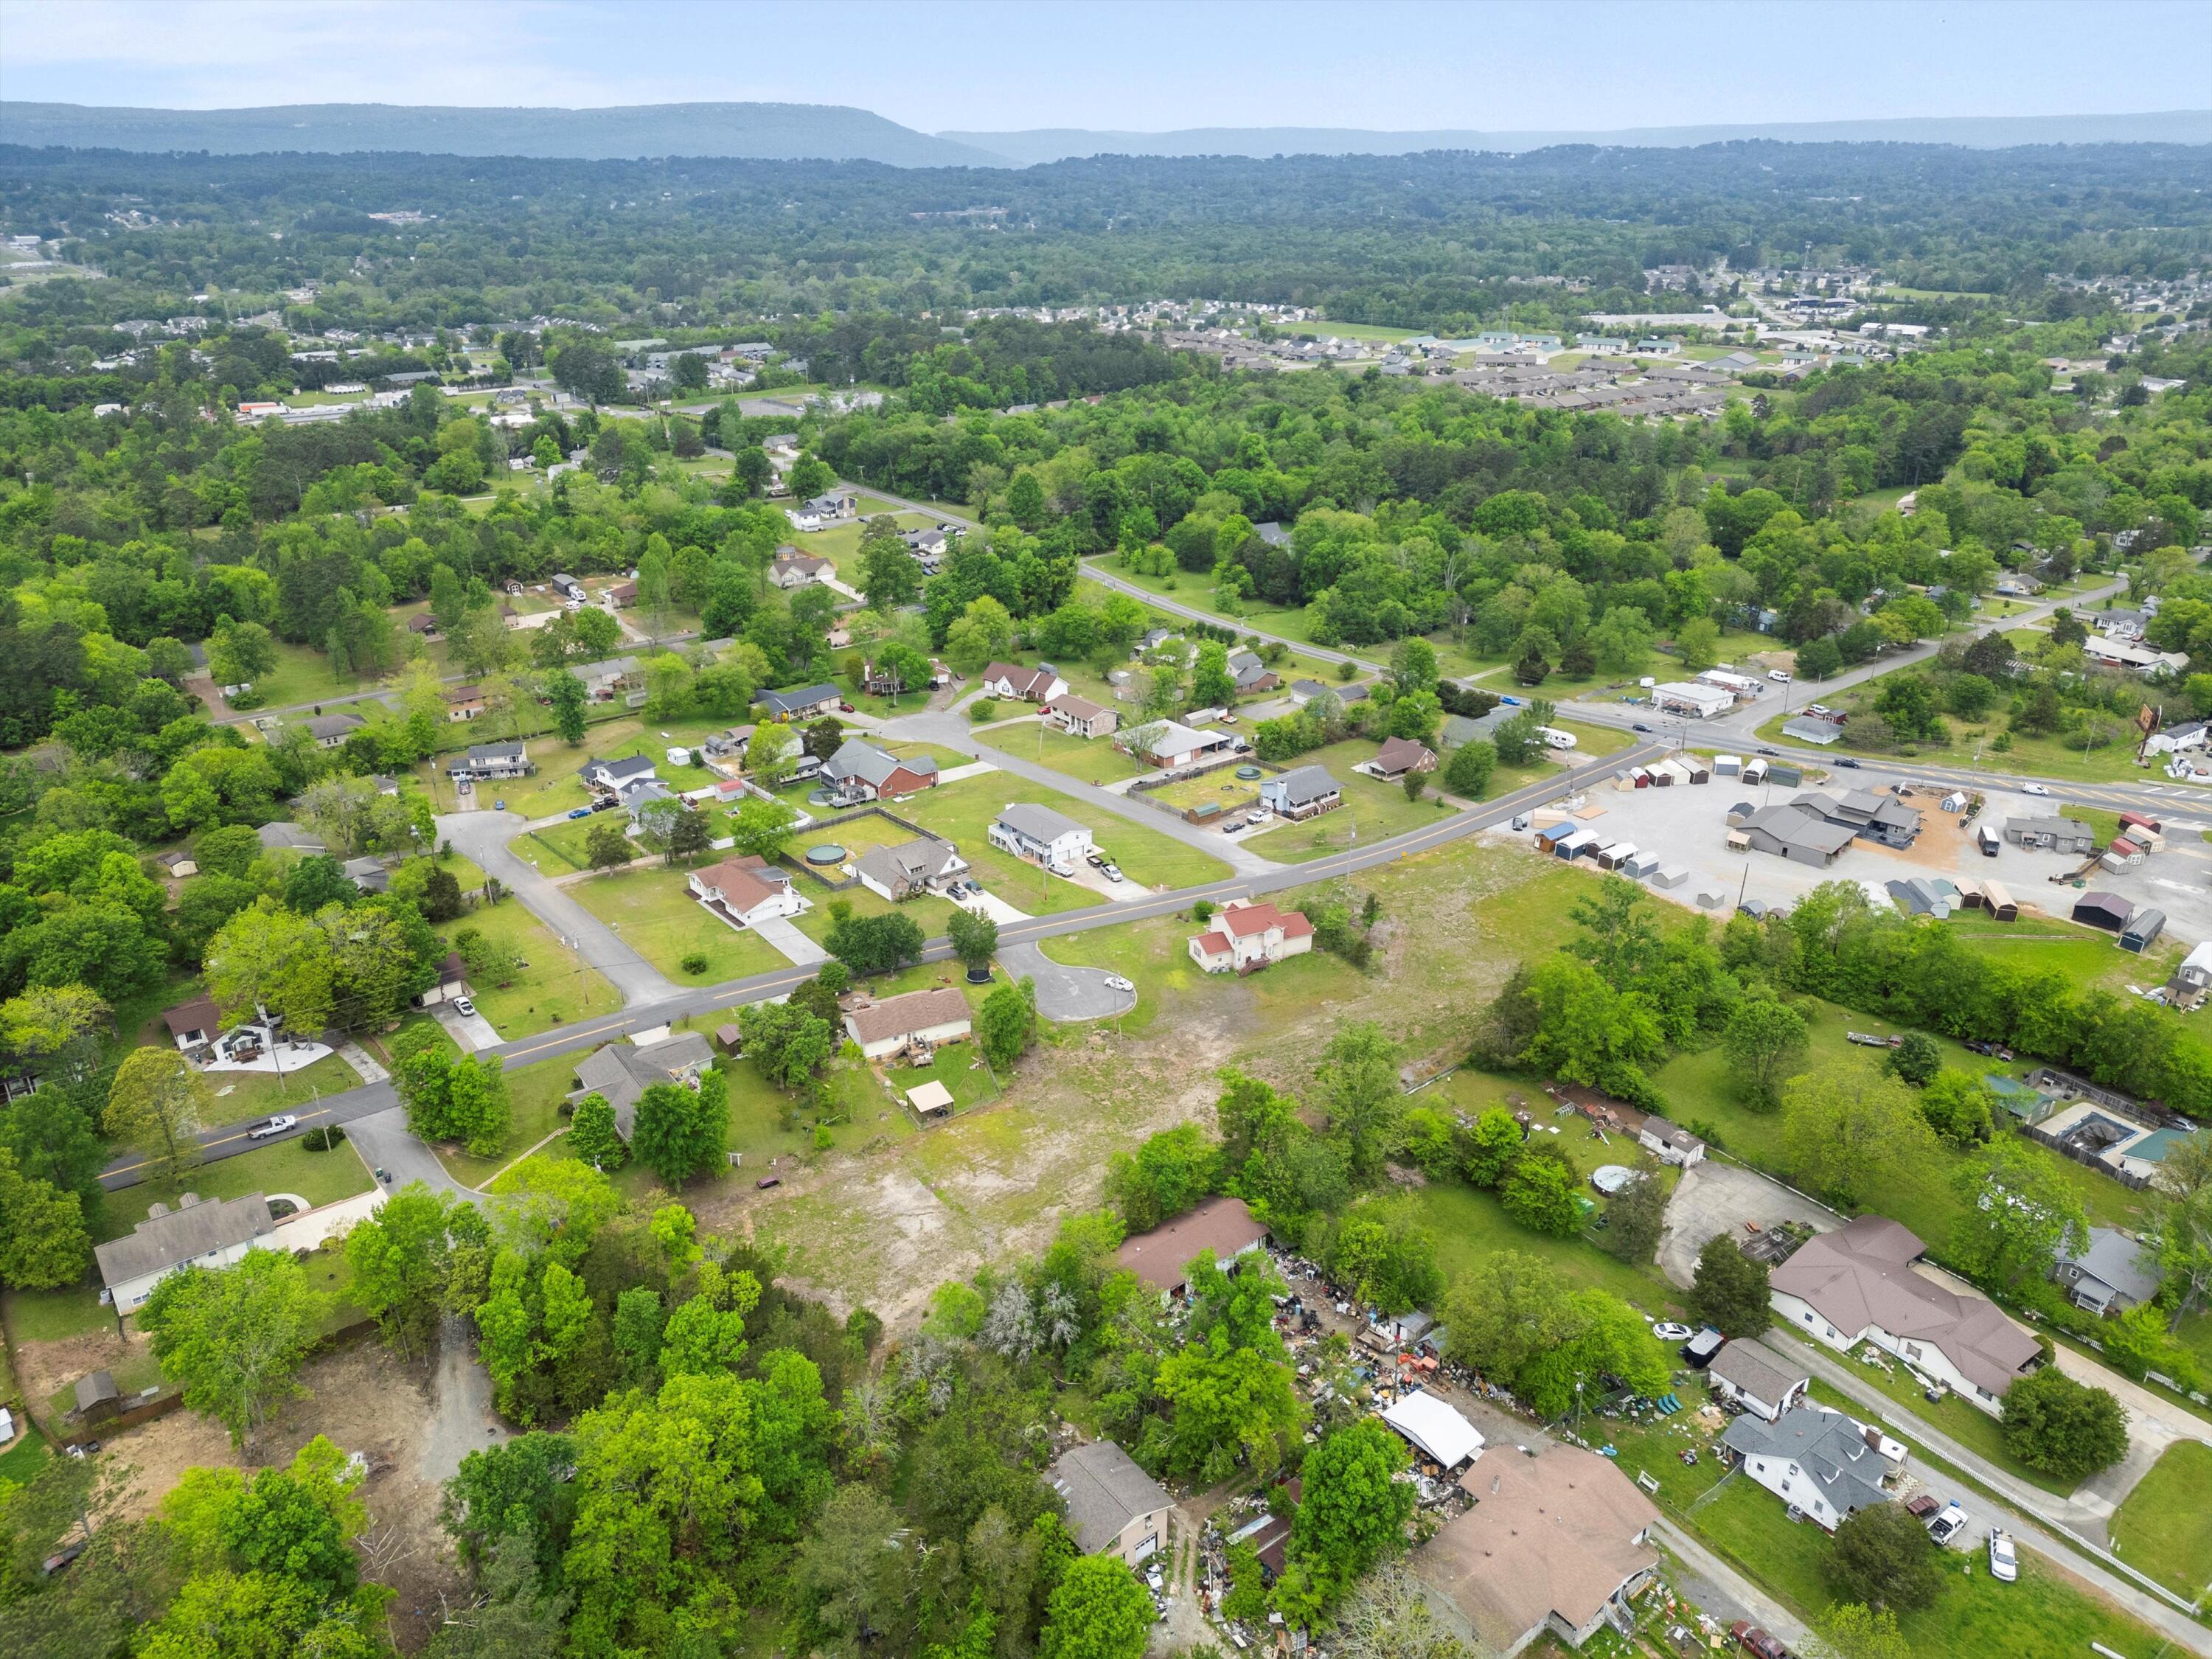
<point>199,1232</point>
<point>920,865</point>
<point>2051,835</point>
<point>1041,835</point>
<point>1857,1284</point>
<point>1172,747</point>
<point>796,570</point>
<point>285,836</point>
<point>194,1025</point>
<point>623,677</point>
<point>920,1018</point>
<point>368,875</point>
<point>1670,1143</point>
<point>621,1072</point>
<point>1273,534</point>
<point>424,626</point>
<point>1748,1374</point>
<point>464,703</point>
<point>613,777</point>
<point>1159,1258</point>
<point>863,772</point>
<point>1248,934</point>
<point>1081,717</point>
<point>2111,1273</point>
<point>1399,755</point>
<point>1811,728</point>
<point>1039,684</point>
<point>178,865</point>
<point>2125,653</point>
<point>331,731</point>
<point>1821,1462</point>
<point>727,744</point>
<point>2193,980</point>
<point>1251,674</point>
<point>1114,1508</point>
<point>622,594</point>
<point>746,891</point>
<point>1304,792</point>
<point>1557,1544</point>
<point>481,762</point>
<point>804,703</point>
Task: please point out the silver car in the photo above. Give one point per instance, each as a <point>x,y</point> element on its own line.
<point>2004,1564</point>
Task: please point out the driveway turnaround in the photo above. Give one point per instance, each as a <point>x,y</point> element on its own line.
<point>1713,1197</point>
<point>385,1142</point>
<point>1064,993</point>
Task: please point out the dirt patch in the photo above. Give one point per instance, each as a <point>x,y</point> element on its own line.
<point>43,1367</point>
<point>366,1401</point>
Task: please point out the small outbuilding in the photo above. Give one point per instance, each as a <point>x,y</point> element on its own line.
<point>1434,1428</point>
<point>2144,926</point>
<point>2106,910</point>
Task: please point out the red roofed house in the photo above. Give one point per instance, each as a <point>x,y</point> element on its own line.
<point>1080,717</point>
<point>744,890</point>
<point>1039,684</point>
<point>1248,935</point>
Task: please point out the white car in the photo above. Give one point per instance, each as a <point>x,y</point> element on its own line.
<point>1666,1331</point>
<point>1110,871</point>
<point>1116,982</point>
<point>1818,709</point>
<point>276,1125</point>
<point>2004,1565</point>
<point>464,1007</point>
<point>2033,789</point>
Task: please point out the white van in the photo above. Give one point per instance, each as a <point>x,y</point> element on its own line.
<point>1779,676</point>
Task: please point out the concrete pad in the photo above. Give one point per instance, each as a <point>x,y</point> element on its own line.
<point>1713,1197</point>
<point>779,931</point>
<point>994,906</point>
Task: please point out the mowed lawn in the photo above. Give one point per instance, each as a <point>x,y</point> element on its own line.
<point>2165,1527</point>
<point>238,1096</point>
<point>962,813</point>
<point>1373,811</point>
<point>1087,760</point>
<point>535,1095</point>
<point>554,986</point>
<point>653,911</point>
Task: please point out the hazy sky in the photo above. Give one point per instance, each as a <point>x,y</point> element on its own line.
<point>987,65</point>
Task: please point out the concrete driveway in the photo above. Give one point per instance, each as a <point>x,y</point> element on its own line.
<point>1065,993</point>
<point>993,907</point>
<point>469,1032</point>
<point>783,933</point>
<point>385,1142</point>
<point>1713,1197</point>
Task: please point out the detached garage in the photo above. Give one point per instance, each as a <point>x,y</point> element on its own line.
<point>2143,930</point>
<point>2106,910</point>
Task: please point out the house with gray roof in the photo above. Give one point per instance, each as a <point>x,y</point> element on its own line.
<point>2111,1273</point>
<point>1763,1382</point>
<point>621,1072</point>
<point>2052,835</point>
<point>1041,835</point>
<point>331,731</point>
<point>1114,1508</point>
<point>1818,1462</point>
<point>801,704</point>
<point>284,835</point>
<point>199,1232</point>
<point>483,762</point>
<point>1304,792</point>
<point>898,873</point>
<point>616,776</point>
<point>863,772</point>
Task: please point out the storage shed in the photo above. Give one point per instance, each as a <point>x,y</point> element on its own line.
<point>2143,930</point>
<point>1728,766</point>
<point>1671,875</point>
<point>1999,902</point>
<point>1612,857</point>
<point>2106,910</point>
<point>1637,865</point>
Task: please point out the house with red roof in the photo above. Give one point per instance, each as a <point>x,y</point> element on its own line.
<point>744,890</point>
<point>1246,936</point>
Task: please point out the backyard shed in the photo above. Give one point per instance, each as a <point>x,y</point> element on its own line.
<point>1999,902</point>
<point>2144,926</point>
<point>1612,857</point>
<point>1728,766</point>
<point>1673,875</point>
<point>2106,910</point>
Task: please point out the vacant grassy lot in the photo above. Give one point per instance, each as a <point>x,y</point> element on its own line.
<point>1087,760</point>
<point>1972,745</point>
<point>2165,1527</point>
<point>1222,790</point>
<point>553,986</point>
<point>658,917</point>
<point>1373,811</point>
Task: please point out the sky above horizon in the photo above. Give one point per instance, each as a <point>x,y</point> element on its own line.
<point>993,65</point>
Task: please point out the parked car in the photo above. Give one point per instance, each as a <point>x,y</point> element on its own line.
<point>1116,982</point>
<point>767,1181</point>
<point>1948,1525</point>
<point>2004,1563</point>
<point>1094,858</point>
<point>1769,751</point>
<point>1754,1640</point>
<point>275,1125</point>
<point>499,806</point>
<point>463,1007</point>
<point>384,1175</point>
<point>580,813</point>
<point>1110,871</point>
<point>845,707</point>
<point>1818,709</point>
<point>603,805</point>
<point>1668,1331</point>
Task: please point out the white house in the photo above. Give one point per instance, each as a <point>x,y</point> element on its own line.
<point>205,1233</point>
<point>920,1016</point>
<point>1170,746</point>
<point>1756,1377</point>
<point>1857,1284</point>
<point>1818,1462</point>
<point>920,865</point>
<point>746,891</point>
<point>616,776</point>
<point>1039,684</point>
<point>1248,934</point>
<point>1697,701</point>
<point>1041,835</point>
<point>1668,1143</point>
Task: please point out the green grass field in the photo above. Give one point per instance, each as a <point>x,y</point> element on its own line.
<point>2165,1527</point>
<point>241,1095</point>
<point>658,918</point>
<point>548,990</point>
<point>22,1460</point>
<point>559,849</point>
<point>962,813</point>
<point>1971,745</point>
<point>1373,811</point>
<point>1087,760</point>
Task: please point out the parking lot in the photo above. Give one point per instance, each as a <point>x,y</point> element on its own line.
<point>1687,825</point>
<point>1712,1198</point>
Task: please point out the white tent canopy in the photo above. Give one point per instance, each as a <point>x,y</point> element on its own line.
<point>1435,1427</point>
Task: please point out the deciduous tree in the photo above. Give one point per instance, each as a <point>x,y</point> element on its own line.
<point>1729,1289</point>
<point>234,1337</point>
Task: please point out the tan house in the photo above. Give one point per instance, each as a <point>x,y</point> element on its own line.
<point>1114,1508</point>
<point>1556,1544</point>
<point>1399,756</point>
<point>920,1017</point>
<point>465,703</point>
<point>746,891</point>
<point>1080,718</point>
<point>1247,935</point>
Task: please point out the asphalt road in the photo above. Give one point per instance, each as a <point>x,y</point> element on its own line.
<point>230,1139</point>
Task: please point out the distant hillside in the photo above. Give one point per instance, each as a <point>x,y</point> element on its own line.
<point>776,132</point>
<point>1977,132</point>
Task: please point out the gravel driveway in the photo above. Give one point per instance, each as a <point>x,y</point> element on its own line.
<point>1713,1197</point>
<point>1063,993</point>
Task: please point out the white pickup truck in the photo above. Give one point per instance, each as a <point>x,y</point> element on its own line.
<point>276,1125</point>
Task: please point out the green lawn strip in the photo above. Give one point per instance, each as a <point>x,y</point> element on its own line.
<point>946,759</point>
<point>284,1166</point>
<point>1373,811</point>
<point>1470,1225</point>
<point>535,1095</point>
<point>1974,1616</point>
<point>2164,1527</point>
<point>241,1095</point>
<point>1087,760</point>
<point>930,914</point>
<point>57,1315</point>
<point>962,813</point>
<point>22,1460</point>
<point>567,844</point>
<point>1968,746</point>
<point>655,913</point>
<point>548,990</point>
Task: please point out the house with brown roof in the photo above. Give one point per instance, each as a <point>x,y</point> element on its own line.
<point>1040,684</point>
<point>1247,935</point>
<point>1399,755</point>
<point>424,624</point>
<point>1858,1285</point>
<point>919,1017</point>
<point>194,1025</point>
<point>1558,1544</point>
<point>1081,717</point>
<point>1158,1258</point>
<point>464,703</point>
<point>199,1232</point>
<point>746,891</point>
